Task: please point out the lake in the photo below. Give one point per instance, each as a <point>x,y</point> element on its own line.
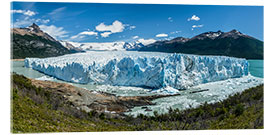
<point>256,68</point>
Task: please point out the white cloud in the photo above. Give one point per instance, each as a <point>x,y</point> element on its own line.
<point>29,13</point>
<point>116,27</point>
<point>135,37</point>
<point>89,33</point>
<point>132,27</point>
<point>146,41</point>
<point>27,21</point>
<point>196,26</point>
<point>58,10</point>
<point>56,32</point>
<point>42,21</point>
<point>162,35</point>
<point>25,12</point>
<point>170,19</point>
<point>106,34</point>
<point>74,37</point>
<point>82,34</point>
<point>194,17</point>
<point>175,32</point>
<point>22,23</point>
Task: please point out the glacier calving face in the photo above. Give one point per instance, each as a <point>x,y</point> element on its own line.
<point>143,69</point>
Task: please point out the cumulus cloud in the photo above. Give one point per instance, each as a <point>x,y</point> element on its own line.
<point>135,37</point>
<point>162,35</point>
<point>56,32</point>
<point>24,12</point>
<point>116,27</point>
<point>106,34</point>
<point>196,26</point>
<point>194,18</point>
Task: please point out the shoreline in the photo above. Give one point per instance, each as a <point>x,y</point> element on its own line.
<point>17,59</point>
<point>89,100</point>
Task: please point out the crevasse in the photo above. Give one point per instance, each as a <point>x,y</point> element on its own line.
<point>142,69</point>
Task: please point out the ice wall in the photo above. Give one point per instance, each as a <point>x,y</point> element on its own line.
<point>143,69</point>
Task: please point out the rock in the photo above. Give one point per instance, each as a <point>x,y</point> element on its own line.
<point>148,110</point>
<point>86,100</point>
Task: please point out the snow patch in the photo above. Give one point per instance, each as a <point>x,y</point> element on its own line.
<point>45,78</point>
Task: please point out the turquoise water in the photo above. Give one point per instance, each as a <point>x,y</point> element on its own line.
<point>256,68</point>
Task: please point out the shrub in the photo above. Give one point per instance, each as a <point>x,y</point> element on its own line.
<point>102,116</point>
<point>239,109</point>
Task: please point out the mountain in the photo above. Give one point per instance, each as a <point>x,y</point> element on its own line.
<point>109,46</point>
<point>232,43</point>
<point>70,47</point>
<point>33,42</point>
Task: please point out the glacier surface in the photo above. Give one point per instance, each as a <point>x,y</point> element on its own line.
<point>142,69</point>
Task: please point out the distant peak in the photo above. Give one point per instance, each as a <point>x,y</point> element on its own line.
<point>34,26</point>
<point>210,35</point>
<point>180,39</point>
<point>235,31</point>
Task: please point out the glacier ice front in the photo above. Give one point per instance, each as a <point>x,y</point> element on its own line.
<point>142,69</point>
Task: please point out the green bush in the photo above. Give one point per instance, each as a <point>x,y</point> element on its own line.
<point>239,109</point>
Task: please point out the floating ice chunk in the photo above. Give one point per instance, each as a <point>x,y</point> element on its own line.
<point>45,78</point>
<point>166,90</point>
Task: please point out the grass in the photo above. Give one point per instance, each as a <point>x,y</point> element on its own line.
<point>33,112</point>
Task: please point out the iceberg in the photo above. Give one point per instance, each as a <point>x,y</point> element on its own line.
<point>140,69</point>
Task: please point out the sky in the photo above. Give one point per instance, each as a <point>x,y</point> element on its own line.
<point>96,22</point>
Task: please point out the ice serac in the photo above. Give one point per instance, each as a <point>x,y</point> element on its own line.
<point>143,69</point>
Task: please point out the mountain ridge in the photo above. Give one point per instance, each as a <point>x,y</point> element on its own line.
<point>33,42</point>
<point>232,43</point>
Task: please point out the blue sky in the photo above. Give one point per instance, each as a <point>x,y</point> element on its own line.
<point>90,22</point>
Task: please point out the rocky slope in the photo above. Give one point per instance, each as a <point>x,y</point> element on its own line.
<point>232,43</point>
<point>33,42</point>
<point>63,96</point>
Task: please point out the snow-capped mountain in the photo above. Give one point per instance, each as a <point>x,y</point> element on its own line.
<point>70,47</point>
<point>108,46</point>
<point>209,35</point>
<point>232,43</point>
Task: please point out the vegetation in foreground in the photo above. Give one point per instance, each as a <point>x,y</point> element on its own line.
<point>32,111</point>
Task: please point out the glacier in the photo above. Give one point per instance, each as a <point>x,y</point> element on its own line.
<point>140,69</point>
